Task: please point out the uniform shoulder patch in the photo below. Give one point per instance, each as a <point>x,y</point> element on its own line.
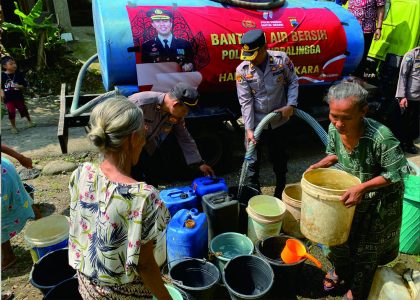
<point>239,78</point>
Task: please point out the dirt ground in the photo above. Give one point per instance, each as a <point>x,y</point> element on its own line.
<point>52,195</point>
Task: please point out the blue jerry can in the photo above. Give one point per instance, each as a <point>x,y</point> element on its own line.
<point>206,185</point>
<point>187,236</point>
<point>178,198</point>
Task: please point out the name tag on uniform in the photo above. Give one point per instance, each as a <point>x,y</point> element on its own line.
<point>180,51</point>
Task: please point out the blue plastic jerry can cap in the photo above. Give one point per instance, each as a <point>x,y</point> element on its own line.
<point>193,212</point>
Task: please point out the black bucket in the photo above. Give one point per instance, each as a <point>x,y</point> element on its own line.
<point>51,269</point>
<point>248,277</point>
<point>198,278</point>
<point>67,290</point>
<point>246,194</point>
<point>285,275</point>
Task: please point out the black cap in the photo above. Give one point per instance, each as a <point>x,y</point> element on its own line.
<point>185,94</point>
<point>159,14</point>
<point>251,42</point>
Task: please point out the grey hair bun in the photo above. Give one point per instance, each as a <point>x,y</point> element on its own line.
<point>98,137</point>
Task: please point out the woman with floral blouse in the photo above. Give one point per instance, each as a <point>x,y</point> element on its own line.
<point>368,150</point>
<point>114,220</point>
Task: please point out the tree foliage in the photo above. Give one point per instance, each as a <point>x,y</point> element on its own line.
<point>38,35</point>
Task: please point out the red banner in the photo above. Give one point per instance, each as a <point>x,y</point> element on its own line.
<point>204,44</point>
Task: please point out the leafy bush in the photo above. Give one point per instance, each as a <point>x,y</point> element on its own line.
<point>38,35</point>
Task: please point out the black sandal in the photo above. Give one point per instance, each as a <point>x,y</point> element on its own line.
<point>331,279</point>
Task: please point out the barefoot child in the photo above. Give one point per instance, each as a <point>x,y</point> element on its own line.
<point>13,83</point>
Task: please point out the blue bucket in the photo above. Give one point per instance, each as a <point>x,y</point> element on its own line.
<point>228,245</point>
<point>66,290</point>
<point>51,270</point>
<point>46,235</point>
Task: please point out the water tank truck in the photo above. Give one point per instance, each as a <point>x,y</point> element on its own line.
<point>324,41</point>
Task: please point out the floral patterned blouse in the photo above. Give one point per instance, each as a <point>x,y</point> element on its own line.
<point>365,13</point>
<point>16,203</point>
<point>109,222</point>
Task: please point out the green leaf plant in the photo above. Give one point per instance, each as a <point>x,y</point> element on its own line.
<point>38,31</point>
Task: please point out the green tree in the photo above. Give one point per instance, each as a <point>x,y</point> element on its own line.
<point>38,34</point>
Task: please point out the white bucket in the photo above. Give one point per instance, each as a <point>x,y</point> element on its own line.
<point>265,217</point>
<point>324,218</point>
<point>292,197</point>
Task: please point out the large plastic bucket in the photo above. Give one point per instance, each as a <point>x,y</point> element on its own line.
<point>324,218</point>
<point>67,290</point>
<point>46,235</point>
<point>228,245</point>
<point>51,270</point>
<point>246,194</point>
<point>410,227</point>
<point>292,197</point>
<point>265,216</point>
<point>248,277</point>
<point>285,275</point>
<point>196,277</point>
<point>174,292</point>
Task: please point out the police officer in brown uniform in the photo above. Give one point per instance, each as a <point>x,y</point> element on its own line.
<point>164,112</point>
<point>408,94</point>
<point>165,46</point>
<point>266,82</point>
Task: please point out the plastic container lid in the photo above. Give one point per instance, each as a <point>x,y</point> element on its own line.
<point>47,231</point>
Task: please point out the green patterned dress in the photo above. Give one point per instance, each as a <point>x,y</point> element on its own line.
<point>375,231</point>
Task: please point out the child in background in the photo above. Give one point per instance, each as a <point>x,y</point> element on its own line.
<point>13,83</point>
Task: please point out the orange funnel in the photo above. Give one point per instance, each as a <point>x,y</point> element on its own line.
<point>295,251</point>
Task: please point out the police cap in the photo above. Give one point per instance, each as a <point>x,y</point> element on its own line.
<point>185,94</point>
<point>159,14</point>
<point>251,42</point>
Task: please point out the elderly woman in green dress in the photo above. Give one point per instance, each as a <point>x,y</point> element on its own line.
<point>368,150</point>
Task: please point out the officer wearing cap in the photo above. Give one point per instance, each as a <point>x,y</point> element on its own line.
<point>165,46</point>
<point>408,95</point>
<point>164,112</point>
<point>266,82</point>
